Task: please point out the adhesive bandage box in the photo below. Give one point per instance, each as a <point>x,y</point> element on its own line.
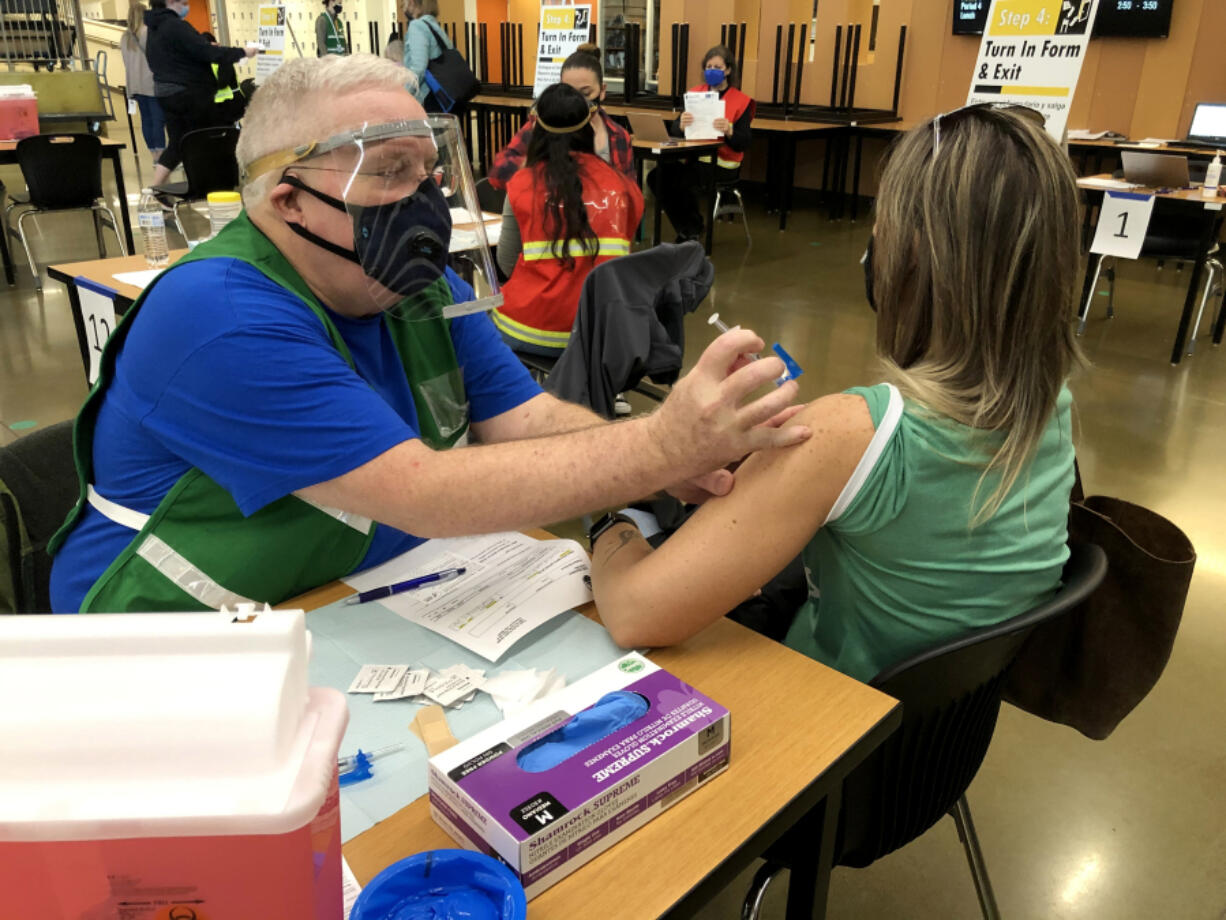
<point>553,786</point>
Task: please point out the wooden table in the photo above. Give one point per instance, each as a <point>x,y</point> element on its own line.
<point>1207,220</point>
<point>799,728</point>
<point>100,271</point>
<point>110,150</point>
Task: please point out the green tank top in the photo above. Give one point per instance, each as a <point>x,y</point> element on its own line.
<point>897,568</point>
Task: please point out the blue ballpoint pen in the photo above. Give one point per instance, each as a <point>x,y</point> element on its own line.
<point>375,594</point>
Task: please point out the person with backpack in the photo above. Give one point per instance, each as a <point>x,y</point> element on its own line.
<point>424,41</point>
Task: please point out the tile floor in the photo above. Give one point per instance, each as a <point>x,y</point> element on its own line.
<point>1132,828</point>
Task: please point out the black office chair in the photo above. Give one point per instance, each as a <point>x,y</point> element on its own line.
<point>210,165</point>
<point>63,172</point>
<point>951,696</point>
<point>490,198</point>
<point>1171,236</point>
<point>38,487</point>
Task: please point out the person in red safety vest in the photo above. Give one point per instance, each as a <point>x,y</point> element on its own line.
<point>679,184</point>
<point>567,211</point>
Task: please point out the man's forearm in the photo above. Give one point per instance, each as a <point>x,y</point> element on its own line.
<point>506,486</point>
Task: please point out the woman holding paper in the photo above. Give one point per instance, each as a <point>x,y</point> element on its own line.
<point>677,184</point>
<point>935,502</point>
<point>566,212</point>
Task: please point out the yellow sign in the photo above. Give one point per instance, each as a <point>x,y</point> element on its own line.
<point>561,18</point>
<point>268,16</point>
<point>1025,17</point>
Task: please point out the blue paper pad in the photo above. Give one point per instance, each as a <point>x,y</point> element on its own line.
<point>345,638</point>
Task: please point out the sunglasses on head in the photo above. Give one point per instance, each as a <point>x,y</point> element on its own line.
<point>950,119</point>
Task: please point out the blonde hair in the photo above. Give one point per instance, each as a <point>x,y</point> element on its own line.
<point>975,270</point>
<point>136,17</point>
<point>285,111</point>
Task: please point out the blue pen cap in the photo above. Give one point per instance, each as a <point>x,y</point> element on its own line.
<point>793,370</point>
<point>446,884</point>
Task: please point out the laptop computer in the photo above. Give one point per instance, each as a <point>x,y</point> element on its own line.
<point>1156,170</point>
<point>647,126</point>
<point>1208,125</point>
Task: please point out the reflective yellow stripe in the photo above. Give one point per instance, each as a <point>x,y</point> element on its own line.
<point>724,164</point>
<point>538,250</point>
<point>529,334</point>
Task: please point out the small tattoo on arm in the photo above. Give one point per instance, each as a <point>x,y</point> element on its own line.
<point>624,538</point>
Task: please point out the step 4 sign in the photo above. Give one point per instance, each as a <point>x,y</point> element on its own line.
<point>1031,54</point>
<point>563,30</point>
<point>1123,221</point>
<point>272,38</point>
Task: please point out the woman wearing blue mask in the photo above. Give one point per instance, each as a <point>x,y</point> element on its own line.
<point>678,185</point>
<point>182,63</point>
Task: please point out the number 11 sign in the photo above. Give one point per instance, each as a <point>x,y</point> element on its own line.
<point>1123,221</point>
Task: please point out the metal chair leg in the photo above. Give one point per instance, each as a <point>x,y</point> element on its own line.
<point>961,814</point>
<point>1085,308</point>
<point>174,212</point>
<point>1111,291</point>
<point>1215,269</point>
<point>751,907</point>
<point>719,197</point>
<point>25,244</point>
<point>106,209</point>
<point>744,218</point>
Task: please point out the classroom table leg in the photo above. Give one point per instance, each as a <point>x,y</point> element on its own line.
<point>78,321</point>
<point>787,179</point>
<point>1210,219</point>
<point>483,139</point>
<point>809,881</point>
<point>855,184</point>
<point>711,193</point>
<point>6,254</point>
<point>655,218</point>
<point>113,153</point>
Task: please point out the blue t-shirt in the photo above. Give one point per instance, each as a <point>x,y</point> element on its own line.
<point>228,372</point>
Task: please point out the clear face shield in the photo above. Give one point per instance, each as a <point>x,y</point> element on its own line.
<point>409,193</point>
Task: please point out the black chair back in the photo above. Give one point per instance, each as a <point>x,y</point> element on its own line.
<point>62,171</point>
<point>1171,235</point>
<point>951,697</point>
<point>490,198</point>
<point>38,487</point>
<point>209,161</point>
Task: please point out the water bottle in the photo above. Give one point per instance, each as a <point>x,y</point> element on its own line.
<point>1213,177</point>
<point>153,229</point>
<point>223,208</point>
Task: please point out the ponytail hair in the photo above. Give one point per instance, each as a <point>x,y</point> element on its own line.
<point>586,57</point>
<point>563,128</point>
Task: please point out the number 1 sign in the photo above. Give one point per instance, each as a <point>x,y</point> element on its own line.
<point>1123,221</point>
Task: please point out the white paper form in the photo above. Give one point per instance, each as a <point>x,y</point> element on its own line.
<point>513,584</point>
<point>706,108</point>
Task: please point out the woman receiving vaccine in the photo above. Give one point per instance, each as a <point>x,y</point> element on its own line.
<point>678,185</point>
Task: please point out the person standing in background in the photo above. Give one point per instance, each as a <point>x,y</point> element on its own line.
<point>329,33</point>
<point>139,80</point>
<point>183,80</point>
<point>424,40</point>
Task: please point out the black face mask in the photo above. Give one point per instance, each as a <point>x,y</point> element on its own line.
<point>867,262</point>
<point>336,10</point>
<point>403,245</point>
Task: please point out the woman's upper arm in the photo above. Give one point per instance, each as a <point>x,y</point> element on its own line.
<point>735,544</point>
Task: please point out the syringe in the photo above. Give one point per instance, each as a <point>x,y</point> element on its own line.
<point>793,370</point>
<point>714,320</point>
<point>356,767</point>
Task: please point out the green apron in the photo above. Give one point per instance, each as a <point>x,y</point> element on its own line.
<point>335,44</point>
<point>197,551</point>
